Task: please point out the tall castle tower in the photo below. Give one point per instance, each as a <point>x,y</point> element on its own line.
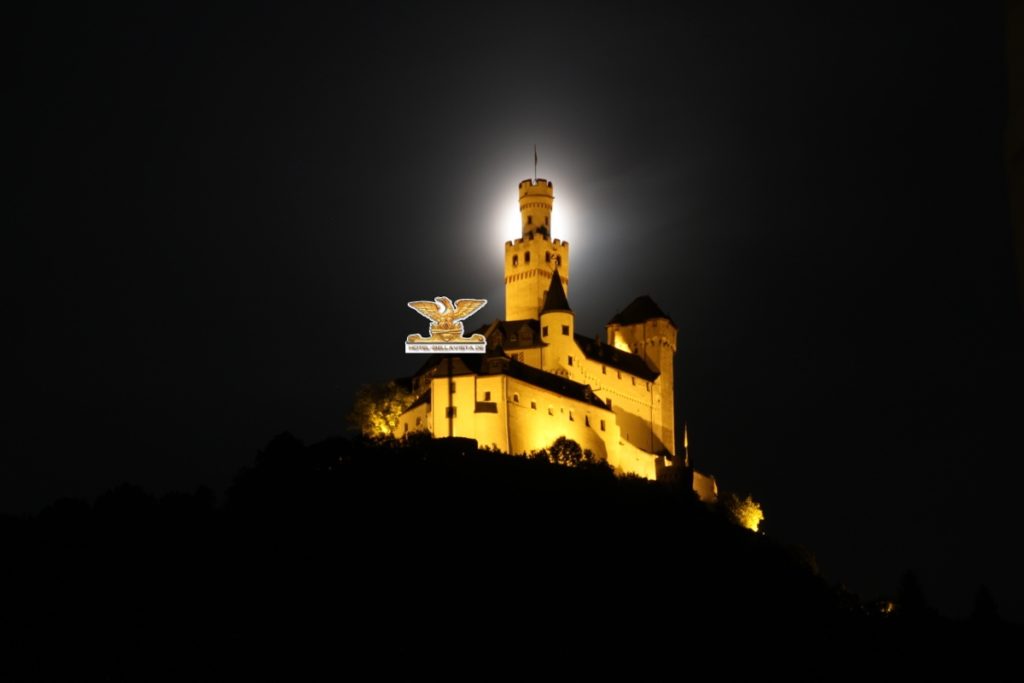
<point>541,380</point>
<point>532,259</point>
<point>644,329</point>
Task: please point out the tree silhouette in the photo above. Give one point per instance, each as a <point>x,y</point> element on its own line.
<point>566,452</point>
<point>378,407</point>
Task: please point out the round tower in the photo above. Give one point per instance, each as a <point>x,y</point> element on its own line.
<point>557,329</point>
<point>536,197</point>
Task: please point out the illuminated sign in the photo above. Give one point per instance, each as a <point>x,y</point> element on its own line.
<point>446,330</point>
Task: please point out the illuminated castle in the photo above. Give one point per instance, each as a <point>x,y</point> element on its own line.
<point>540,380</point>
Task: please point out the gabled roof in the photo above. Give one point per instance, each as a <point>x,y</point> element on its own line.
<point>640,310</point>
<point>476,363</point>
<point>556,299</point>
<point>512,335</point>
<point>425,398</point>
<point>607,354</point>
<point>554,383</point>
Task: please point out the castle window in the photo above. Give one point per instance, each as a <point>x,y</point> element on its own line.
<point>572,418</point>
<point>604,370</point>
<point>586,420</point>
<point>634,380</point>
<point>648,386</point>
<point>533,405</point>
<point>544,332</point>
<point>515,260</point>
<point>570,360</point>
<point>565,330</point>
<point>558,260</point>
<point>609,402</point>
<point>551,411</point>
<point>515,398</point>
<point>526,257</point>
<point>418,421</point>
<point>529,220</point>
<point>450,411</point>
<point>602,425</point>
<point>547,257</point>
<point>487,396</point>
<point>618,374</point>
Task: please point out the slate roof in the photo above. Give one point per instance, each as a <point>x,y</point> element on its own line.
<point>616,358</point>
<point>512,334</point>
<point>476,363</point>
<point>640,310</point>
<point>554,383</point>
<point>556,299</point>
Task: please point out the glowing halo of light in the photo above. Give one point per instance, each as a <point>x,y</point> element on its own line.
<point>508,225</point>
<point>506,218</point>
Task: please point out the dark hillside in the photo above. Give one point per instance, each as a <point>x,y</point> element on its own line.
<point>345,547</point>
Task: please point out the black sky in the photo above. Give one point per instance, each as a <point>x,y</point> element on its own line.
<point>219,212</point>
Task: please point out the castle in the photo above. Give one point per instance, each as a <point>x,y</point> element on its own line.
<point>540,379</point>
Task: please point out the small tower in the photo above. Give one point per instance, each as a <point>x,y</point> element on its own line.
<point>531,259</point>
<point>644,329</point>
<point>536,199</point>
<point>557,327</point>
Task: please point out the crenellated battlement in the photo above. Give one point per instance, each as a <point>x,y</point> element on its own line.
<point>556,243</point>
<point>535,240</point>
<point>540,186</point>
<point>536,199</point>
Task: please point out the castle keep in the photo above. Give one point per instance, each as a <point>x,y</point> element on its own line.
<point>540,379</point>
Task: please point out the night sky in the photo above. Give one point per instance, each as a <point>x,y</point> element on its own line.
<point>220,212</point>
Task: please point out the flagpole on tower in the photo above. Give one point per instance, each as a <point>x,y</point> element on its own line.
<point>535,164</point>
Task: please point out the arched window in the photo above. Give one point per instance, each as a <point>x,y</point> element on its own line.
<point>526,257</point>
<point>515,260</point>
<point>558,260</point>
<point>547,257</point>
<point>515,398</point>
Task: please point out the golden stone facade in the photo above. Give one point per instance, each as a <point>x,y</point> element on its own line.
<point>540,380</point>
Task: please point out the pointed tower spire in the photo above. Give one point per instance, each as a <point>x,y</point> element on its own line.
<point>556,299</point>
